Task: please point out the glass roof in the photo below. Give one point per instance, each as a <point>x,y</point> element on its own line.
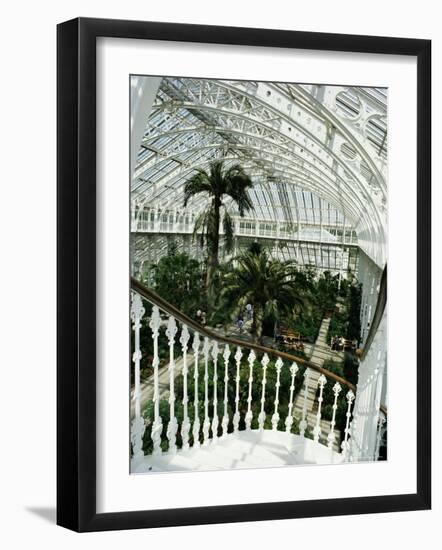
<point>317,154</point>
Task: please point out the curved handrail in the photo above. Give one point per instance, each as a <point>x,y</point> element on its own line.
<point>378,314</point>
<point>163,304</point>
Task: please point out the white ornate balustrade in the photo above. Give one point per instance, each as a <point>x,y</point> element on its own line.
<point>232,403</point>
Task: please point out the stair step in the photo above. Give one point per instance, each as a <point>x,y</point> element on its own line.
<point>244,449</point>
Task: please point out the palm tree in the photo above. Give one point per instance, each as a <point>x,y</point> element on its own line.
<point>219,182</point>
<point>269,285</point>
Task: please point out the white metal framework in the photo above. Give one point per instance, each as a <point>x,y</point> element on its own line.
<point>317,154</point>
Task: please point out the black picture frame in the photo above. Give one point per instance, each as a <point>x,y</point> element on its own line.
<point>76,273</point>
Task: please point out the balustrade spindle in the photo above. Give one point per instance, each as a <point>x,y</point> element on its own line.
<point>303,423</point>
<point>196,421</point>
<point>322,381</point>
<point>249,414</point>
<point>331,436</point>
<point>374,413</point>
<point>236,416</point>
<point>275,416</point>
<point>172,427</point>
<point>185,427</point>
<point>219,422</point>
<point>345,444</point>
<point>262,415</point>
<point>353,447</point>
<point>215,419</point>
<point>157,426</point>
<point>289,420</point>
<point>206,422</point>
<point>225,420</point>
<point>138,426</point>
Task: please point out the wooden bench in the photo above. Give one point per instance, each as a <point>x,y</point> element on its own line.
<point>347,344</point>
<point>290,333</point>
<point>291,339</point>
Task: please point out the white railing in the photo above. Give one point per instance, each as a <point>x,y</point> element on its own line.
<point>369,415</point>
<point>230,390</point>
<point>369,423</point>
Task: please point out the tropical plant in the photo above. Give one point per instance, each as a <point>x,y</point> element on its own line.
<point>269,285</point>
<point>347,321</point>
<point>255,248</point>
<point>354,310</point>
<point>219,182</point>
<point>327,291</point>
<point>179,279</point>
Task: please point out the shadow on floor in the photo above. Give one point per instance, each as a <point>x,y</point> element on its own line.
<point>46,513</point>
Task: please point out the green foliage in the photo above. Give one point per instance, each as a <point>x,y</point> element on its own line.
<point>281,294</point>
<point>307,324</point>
<point>269,403</point>
<point>344,288</point>
<point>351,368</point>
<point>269,285</point>
<point>179,280</point>
<point>326,291</point>
<point>219,182</point>
<point>338,324</point>
<point>255,248</point>
<point>322,295</point>
<point>354,320</point>
<point>346,322</point>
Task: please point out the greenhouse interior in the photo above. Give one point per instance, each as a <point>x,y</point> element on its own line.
<point>258,239</point>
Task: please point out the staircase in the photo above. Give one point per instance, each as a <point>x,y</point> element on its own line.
<point>245,449</point>
<point>320,352</point>
<point>241,399</point>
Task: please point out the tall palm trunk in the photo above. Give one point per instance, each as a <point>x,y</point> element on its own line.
<point>213,242</point>
<point>256,328</point>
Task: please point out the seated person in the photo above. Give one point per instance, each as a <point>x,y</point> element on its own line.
<point>341,343</point>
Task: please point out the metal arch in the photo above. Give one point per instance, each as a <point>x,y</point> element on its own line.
<point>316,109</point>
<point>337,201</point>
<point>345,165</point>
<point>264,162</point>
<point>258,138</point>
<point>314,186</point>
<point>272,131</point>
<point>327,149</point>
<point>263,154</point>
<point>346,126</point>
<point>316,183</point>
<point>200,201</point>
<point>240,90</point>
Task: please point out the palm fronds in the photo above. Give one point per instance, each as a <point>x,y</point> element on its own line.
<point>269,285</point>
<point>219,182</point>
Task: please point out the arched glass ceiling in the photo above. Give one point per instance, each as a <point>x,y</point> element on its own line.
<point>314,152</point>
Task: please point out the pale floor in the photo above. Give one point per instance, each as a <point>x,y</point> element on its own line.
<point>243,449</point>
